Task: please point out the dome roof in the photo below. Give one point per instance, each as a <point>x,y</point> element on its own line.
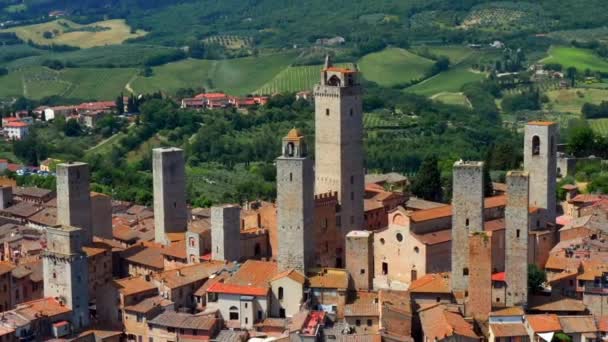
<point>294,134</point>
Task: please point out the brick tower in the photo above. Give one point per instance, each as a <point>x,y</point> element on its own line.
<point>516,238</point>
<point>295,204</point>
<point>540,161</point>
<point>479,302</point>
<point>360,258</point>
<point>467,217</point>
<point>74,198</point>
<point>169,176</point>
<point>339,142</point>
<point>66,270</point>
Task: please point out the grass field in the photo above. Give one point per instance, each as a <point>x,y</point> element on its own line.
<point>294,79</point>
<point>456,53</point>
<point>600,126</point>
<point>81,83</point>
<point>574,57</point>
<point>393,66</point>
<point>571,100</point>
<point>449,81</point>
<point>237,76</point>
<point>452,98</point>
<point>66,32</point>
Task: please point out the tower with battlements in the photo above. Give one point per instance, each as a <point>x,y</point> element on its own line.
<point>169,177</point>
<point>339,142</point>
<point>516,238</point>
<point>74,198</point>
<point>295,204</point>
<point>467,217</point>
<point>540,161</point>
<point>65,272</point>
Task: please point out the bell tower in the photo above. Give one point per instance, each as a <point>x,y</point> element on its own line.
<point>339,142</point>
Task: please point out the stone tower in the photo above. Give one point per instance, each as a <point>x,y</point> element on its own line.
<point>467,217</point>
<point>540,161</point>
<point>479,302</point>
<point>360,258</point>
<point>193,247</point>
<point>516,238</point>
<point>101,211</point>
<point>65,271</point>
<point>295,204</point>
<point>169,174</point>
<point>6,196</point>
<point>74,198</point>
<point>226,233</point>
<point>339,142</point>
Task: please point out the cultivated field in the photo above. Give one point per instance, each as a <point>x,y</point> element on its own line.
<point>571,100</point>
<point>393,66</point>
<point>456,53</point>
<point>294,79</point>
<point>230,42</point>
<point>574,57</point>
<point>449,81</point>
<point>65,32</point>
<point>452,98</point>
<point>600,126</point>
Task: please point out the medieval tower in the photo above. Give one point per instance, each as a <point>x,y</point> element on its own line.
<point>467,217</point>
<point>74,198</point>
<point>339,142</point>
<point>360,258</point>
<point>169,176</point>
<point>295,204</point>
<point>65,271</point>
<point>540,161</point>
<point>226,232</point>
<point>516,238</point>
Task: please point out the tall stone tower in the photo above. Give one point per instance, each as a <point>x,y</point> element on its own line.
<point>169,174</point>
<point>479,302</point>
<point>226,233</point>
<point>540,161</point>
<point>360,258</point>
<point>65,271</point>
<point>339,142</point>
<point>74,198</point>
<point>516,238</point>
<point>295,204</point>
<point>467,217</point>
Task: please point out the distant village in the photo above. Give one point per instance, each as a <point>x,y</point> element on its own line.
<point>340,255</point>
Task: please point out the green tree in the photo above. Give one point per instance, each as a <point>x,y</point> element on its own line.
<point>581,141</point>
<point>536,278</point>
<point>120,104</point>
<point>427,183</point>
<point>72,128</point>
<point>571,74</point>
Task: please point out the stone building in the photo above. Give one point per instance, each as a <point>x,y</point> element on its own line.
<point>101,211</point>
<point>479,303</point>
<point>516,238</point>
<point>225,233</point>
<point>467,218</point>
<point>65,271</point>
<point>339,142</point>
<point>360,259</point>
<point>170,212</point>
<point>74,198</point>
<point>540,161</point>
<point>295,204</point>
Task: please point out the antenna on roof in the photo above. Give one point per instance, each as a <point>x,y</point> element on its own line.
<point>328,63</point>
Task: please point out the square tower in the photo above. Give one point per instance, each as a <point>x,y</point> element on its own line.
<point>360,258</point>
<point>194,248</point>
<point>226,232</point>
<point>339,142</point>
<point>479,303</point>
<point>74,198</point>
<point>169,176</point>
<point>295,204</point>
<point>101,211</point>
<point>6,196</point>
<point>467,217</point>
<point>540,161</point>
<point>65,271</point>
<point>516,238</point>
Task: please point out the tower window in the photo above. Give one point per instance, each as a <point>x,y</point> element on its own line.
<point>280,293</point>
<point>535,145</point>
<point>362,271</point>
<point>327,111</point>
<point>517,233</point>
<point>399,237</point>
<point>467,223</point>
<point>352,180</point>
<point>465,271</point>
<point>351,112</point>
<point>291,177</point>
<point>352,196</point>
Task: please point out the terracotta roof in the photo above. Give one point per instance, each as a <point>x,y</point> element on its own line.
<point>328,278</point>
<point>500,276</point>
<point>342,70</point>
<point>371,205</point>
<point>291,274</point>
<point>45,306</point>
<point>220,287</point>
<point>133,285</point>
<point>96,248</point>
<point>438,323</point>
<point>188,274</point>
<point>124,233</point>
<point>294,133</point>
<point>6,267</point>
<point>209,282</point>
<point>32,269</point>
<point>431,214</point>
<point>145,256</point>
<point>46,217</point>
<point>586,198</point>
<point>432,283</point>
<point>147,304</point>
<point>543,323</point>
<point>23,209</point>
<point>569,187</point>
<point>177,249</point>
<point>16,124</point>
<point>602,324</point>
<point>365,304</point>
<point>508,330</point>
<point>184,321</point>
<point>494,225</point>
<point>544,304</point>
<point>511,311</point>
<point>541,123</point>
<point>577,324</point>
<point>254,273</point>
<point>31,191</point>
<point>434,238</point>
